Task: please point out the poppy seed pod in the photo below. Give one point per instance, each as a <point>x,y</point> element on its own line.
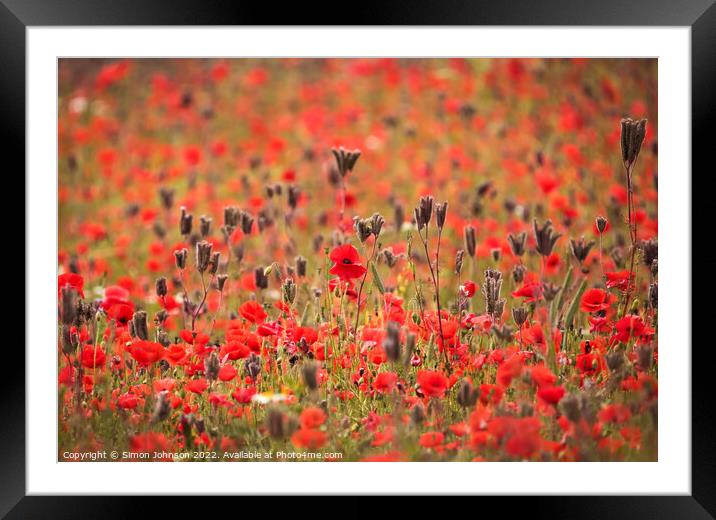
<point>470,241</point>
<point>247,222</point>
<point>139,322</point>
<point>376,224</point>
<point>204,226</point>
<point>632,136</point>
<point>519,314</point>
<point>166,195</point>
<point>459,259</point>
<point>214,262</point>
<point>288,290</point>
<point>546,238</point>
<point>212,366</point>
<point>518,273</point>
<point>292,196</point>
<point>441,214</point>
<point>161,287</point>
<point>517,243</point>
<point>601,224</point>
<point>362,228</point>
<point>185,222</point>
<point>309,372</point>
<point>580,249</point>
<point>466,394</point>
<point>221,281</point>
<point>203,255</point>
<point>345,159</point>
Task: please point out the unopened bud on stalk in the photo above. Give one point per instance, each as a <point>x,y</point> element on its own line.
<point>141,328</point>
<point>161,287</point>
<point>203,255</point>
<point>185,222</point>
<point>470,241</point>
<point>376,224</point>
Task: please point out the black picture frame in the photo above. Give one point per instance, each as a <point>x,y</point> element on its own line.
<point>700,15</point>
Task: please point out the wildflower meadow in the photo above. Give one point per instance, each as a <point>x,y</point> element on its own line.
<point>358,259</point>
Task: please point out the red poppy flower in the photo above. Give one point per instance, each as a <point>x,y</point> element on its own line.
<point>468,289</point>
<point>312,417</point>
<point>632,326</point>
<point>551,394</point>
<point>385,382</point>
<point>530,291</point>
<point>252,311</point>
<point>197,385</point>
<point>620,279</point>
<point>227,373</point>
<point>310,439</point>
<point>72,280</point>
<point>92,357</point>
<point>146,352</point>
<point>595,300</point>
<point>431,439</point>
<point>346,262</point>
<point>127,401</point>
<point>432,384</point>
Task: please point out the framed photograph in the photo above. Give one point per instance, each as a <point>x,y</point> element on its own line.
<point>397,259</point>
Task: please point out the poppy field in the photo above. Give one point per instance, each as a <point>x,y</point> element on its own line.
<point>358,259</point>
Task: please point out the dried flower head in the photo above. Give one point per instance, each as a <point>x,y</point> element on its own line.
<point>517,243</point>
<point>546,237</point>
<point>632,136</point>
<point>345,159</point>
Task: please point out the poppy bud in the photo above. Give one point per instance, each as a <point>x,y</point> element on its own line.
<point>161,287</point>
<point>203,255</point>
<point>139,322</point>
<point>185,222</point>
<point>517,243</point>
<point>601,224</point>
<point>301,264</point>
<point>204,226</point>
<point>519,314</point>
<point>309,373</point>
<point>470,242</point>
